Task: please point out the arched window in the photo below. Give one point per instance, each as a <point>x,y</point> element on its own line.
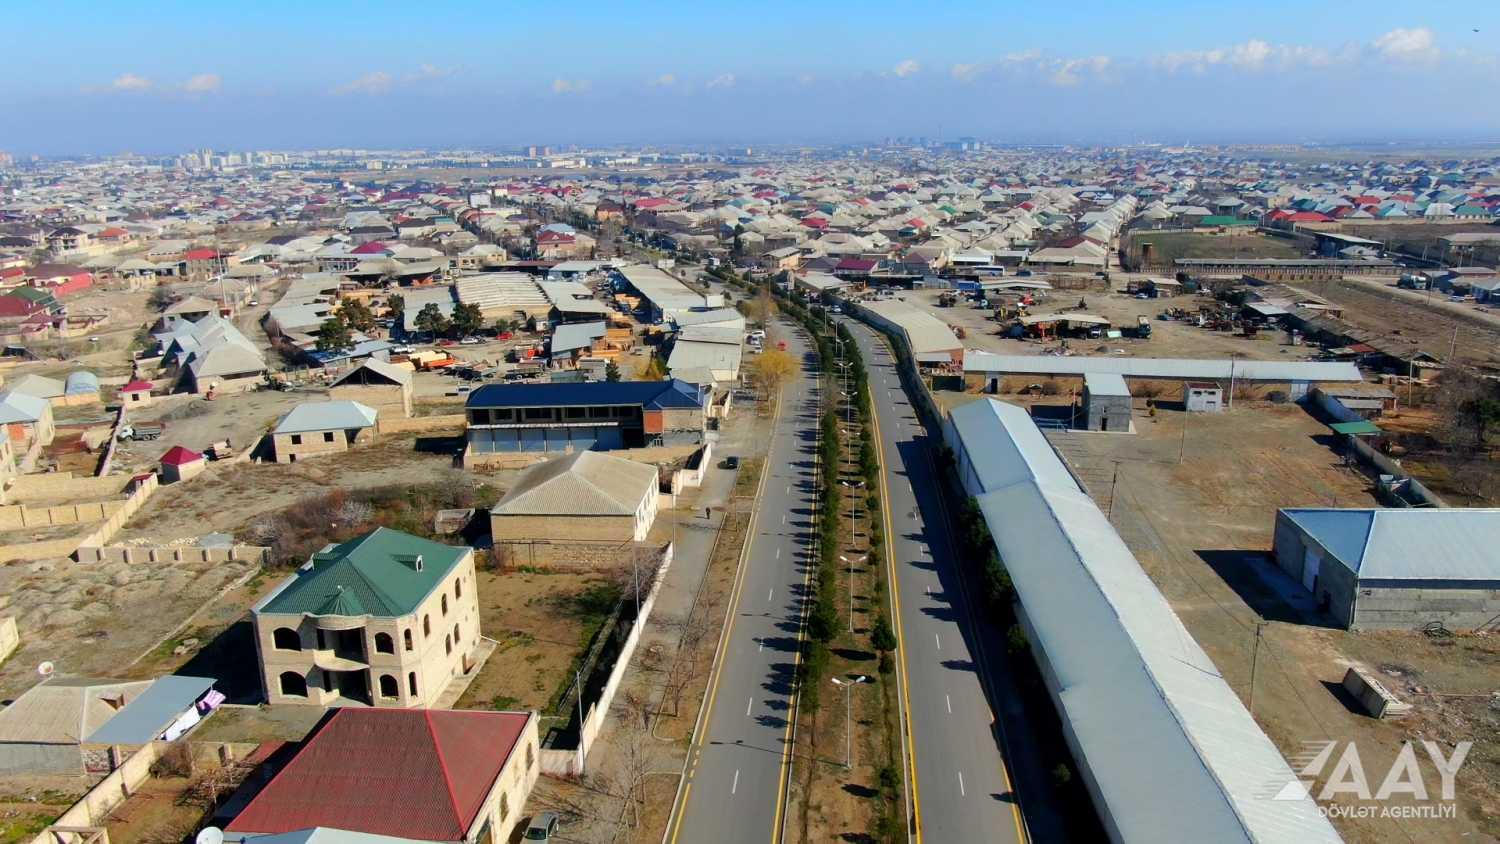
<point>447,644</point>
<point>458,588</point>
<point>388,686</point>
<point>456,640</point>
<point>411,683</point>
<point>426,625</point>
<point>293,684</point>
<point>384,643</point>
<point>445,605</point>
<point>504,806</point>
<point>529,757</point>
<point>406,638</point>
<point>286,639</point>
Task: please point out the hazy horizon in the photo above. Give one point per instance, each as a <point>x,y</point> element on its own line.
<point>338,74</point>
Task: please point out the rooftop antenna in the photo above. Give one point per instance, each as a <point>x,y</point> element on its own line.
<point>46,668</point>
<point>210,835</point>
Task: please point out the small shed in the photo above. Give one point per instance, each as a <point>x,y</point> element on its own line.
<point>180,464</point>
<point>1106,402</point>
<point>1203,396</point>
<point>81,387</point>
<point>136,394</point>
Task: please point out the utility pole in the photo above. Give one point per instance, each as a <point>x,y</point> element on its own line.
<point>1452,348</point>
<point>1255,663</point>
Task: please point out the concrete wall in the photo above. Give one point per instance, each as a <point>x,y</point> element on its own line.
<point>1406,607</point>
<point>390,399</point>
<point>419,424</point>
<point>16,516</point>
<point>430,658</point>
<point>109,793</point>
<point>62,485</point>
<point>1367,454</point>
<point>10,639</point>
<point>290,448</point>
<point>1106,413</point>
<point>101,534</point>
<point>37,759</point>
<point>1335,584</point>
<point>571,762</point>
<point>523,459</point>
<point>171,554</point>
<point>562,529</point>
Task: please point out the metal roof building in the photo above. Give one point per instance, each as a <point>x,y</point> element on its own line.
<point>1395,569</point>
<point>325,416</point>
<point>928,337</point>
<point>986,363</point>
<point>155,711</point>
<point>1165,748</point>
<point>666,294</point>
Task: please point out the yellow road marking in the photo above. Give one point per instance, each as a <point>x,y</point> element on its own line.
<point>895,592</point>
<point>783,775</point>
<point>706,712</point>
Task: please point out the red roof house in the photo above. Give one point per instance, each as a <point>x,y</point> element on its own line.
<point>425,774</point>
<point>179,464</point>
<point>179,456</point>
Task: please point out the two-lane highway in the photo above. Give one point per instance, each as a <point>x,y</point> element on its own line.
<point>961,785</point>
<point>735,773</point>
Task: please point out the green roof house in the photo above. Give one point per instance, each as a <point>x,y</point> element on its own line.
<point>386,619</point>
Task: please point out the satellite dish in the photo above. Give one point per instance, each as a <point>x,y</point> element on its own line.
<point>210,835</point>
<point>46,668</point>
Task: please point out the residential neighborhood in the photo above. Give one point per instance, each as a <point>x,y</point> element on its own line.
<point>866,485</point>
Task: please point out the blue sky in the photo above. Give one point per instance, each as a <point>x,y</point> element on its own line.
<point>163,77</point>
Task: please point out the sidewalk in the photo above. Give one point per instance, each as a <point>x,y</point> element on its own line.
<point>593,811</point>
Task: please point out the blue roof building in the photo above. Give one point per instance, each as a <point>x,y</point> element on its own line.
<point>594,416</point>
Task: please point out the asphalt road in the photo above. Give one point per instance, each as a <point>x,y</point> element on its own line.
<point>732,792</point>
<point>962,788</point>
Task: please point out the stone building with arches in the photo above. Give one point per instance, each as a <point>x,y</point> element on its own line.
<point>386,619</point>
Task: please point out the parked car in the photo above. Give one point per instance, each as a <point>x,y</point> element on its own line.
<point>470,341</point>
<point>731,463</point>
<point>542,827</point>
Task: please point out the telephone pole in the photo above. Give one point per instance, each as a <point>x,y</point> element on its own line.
<point>1255,663</point>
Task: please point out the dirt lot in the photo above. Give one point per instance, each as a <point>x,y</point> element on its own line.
<point>96,619</point>
<point>1430,324</point>
<point>196,423</point>
<point>541,622</point>
<point>1201,528</point>
<point>1169,339</point>
<point>228,496</point>
<point>1168,247</point>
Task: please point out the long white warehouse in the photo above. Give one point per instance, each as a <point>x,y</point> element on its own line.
<point>1223,369</point>
<point>1164,746</point>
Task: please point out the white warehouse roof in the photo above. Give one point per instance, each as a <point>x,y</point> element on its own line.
<point>1207,370</point>
<point>1168,750</point>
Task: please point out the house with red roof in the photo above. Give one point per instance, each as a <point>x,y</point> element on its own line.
<point>420,774</point>
<point>180,464</point>
<point>60,279</point>
<point>136,394</point>
<point>202,263</point>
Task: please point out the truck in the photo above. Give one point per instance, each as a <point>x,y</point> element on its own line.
<point>139,432</point>
<point>1143,327</point>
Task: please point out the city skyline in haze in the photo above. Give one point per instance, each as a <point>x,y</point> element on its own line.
<point>169,76</point>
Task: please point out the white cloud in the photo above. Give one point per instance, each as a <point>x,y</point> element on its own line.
<point>906,68</point>
<point>570,86</point>
<point>666,80</point>
<point>723,80</point>
<point>1253,55</point>
<point>807,79</point>
<point>1417,44</point>
<point>376,82</point>
<point>1069,72</point>
<point>131,83</point>
<point>204,83</point>
<point>429,72</point>
<point>966,72</point>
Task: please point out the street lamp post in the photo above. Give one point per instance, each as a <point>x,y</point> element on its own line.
<point>849,716</point>
<point>851,582</point>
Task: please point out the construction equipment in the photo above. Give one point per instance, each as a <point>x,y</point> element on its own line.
<point>1143,327</point>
